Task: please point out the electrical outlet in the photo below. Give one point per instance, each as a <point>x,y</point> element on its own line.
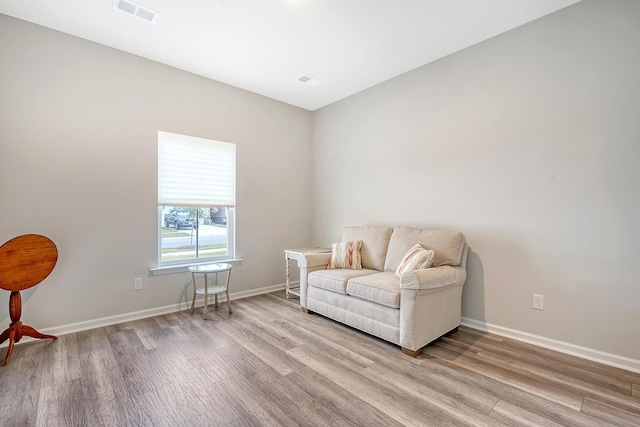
<point>137,283</point>
<point>538,302</point>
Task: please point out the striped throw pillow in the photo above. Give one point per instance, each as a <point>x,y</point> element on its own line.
<point>346,255</point>
<point>416,258</point>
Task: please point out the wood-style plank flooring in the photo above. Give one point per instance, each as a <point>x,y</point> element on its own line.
<point>269,364</point>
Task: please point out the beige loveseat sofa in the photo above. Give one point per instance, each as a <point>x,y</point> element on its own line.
<point>410,311</point>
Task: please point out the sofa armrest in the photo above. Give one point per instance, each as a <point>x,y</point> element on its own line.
<point>431,304</point>
<point>308,263</point>
<point>433,278</point>
<point>314,260</point>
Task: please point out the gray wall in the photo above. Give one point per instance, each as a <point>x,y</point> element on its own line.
<point>528,143</point>
<point>78,155</point>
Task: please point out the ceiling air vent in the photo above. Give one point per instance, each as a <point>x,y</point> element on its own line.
<point>308,80</point>
<point>136,10</point>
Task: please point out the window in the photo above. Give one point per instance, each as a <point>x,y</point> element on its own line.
<point>196,199</point>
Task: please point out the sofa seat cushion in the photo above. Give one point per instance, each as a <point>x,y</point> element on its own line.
<point>335,280</point>
<point>381,288</point>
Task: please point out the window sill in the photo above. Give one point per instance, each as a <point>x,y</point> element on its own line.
<point>183,268</point>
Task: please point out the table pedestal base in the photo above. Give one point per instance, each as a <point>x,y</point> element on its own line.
<point>16,329</point>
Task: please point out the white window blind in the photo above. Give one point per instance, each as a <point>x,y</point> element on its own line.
<point>195,172</point>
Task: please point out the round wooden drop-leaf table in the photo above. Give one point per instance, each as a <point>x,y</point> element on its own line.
<point>25,261</point>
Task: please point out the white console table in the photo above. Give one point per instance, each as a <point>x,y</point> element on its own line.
<point>296,254</point>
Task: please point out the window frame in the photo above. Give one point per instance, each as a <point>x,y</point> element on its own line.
<point>163,266</point>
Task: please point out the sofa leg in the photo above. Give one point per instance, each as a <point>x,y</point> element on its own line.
<point>306,310</point>
<point>412,353</point>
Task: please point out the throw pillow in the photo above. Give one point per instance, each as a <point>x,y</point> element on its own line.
<point>346,255</point>
<point>416,258</point>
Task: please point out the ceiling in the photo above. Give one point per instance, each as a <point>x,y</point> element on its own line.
<point>264,46</point>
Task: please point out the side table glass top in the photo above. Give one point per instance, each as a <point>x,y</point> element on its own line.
<point>211,268</point>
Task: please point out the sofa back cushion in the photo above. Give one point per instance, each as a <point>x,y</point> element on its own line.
<point>447,245</point>
<point>375,242</point>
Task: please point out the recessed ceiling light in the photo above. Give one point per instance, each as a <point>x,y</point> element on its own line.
<point>136,10</point>
<point>308,80</point>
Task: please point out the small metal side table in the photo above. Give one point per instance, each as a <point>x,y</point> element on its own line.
<point>210,290</point>
<point>296,254</point>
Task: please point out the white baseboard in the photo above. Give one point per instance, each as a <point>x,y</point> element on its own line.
<point>142,314</point>
<point>622,362</point>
